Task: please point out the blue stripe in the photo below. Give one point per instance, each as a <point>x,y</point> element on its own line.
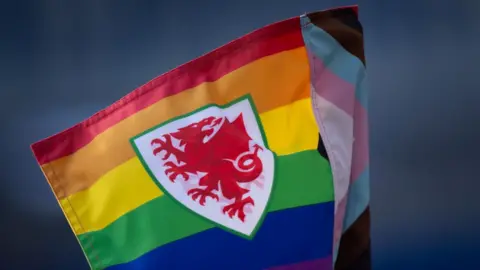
<point>338,60</point>
<point>288,236</point>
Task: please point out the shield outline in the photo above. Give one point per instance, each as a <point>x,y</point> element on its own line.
<point>247,97</point>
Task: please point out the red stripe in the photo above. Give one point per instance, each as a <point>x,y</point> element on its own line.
<point>272,39</point>
<point>352,7</point>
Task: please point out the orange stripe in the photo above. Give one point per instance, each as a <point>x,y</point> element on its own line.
<point>286,73</point>
<point>269,40</point>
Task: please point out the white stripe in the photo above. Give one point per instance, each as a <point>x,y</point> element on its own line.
<point>336,129</point>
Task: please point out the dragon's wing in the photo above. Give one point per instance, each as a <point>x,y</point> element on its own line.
<point>233,137</point>
<point>240,129</point>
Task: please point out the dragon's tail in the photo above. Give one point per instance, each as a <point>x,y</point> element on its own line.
<point>249,166</point>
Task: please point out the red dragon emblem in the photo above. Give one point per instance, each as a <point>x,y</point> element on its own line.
<point>219,149</point>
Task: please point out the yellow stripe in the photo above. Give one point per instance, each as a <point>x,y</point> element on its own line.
<point>289,129</point>
<point>117,192</point>
<point>292,128</point>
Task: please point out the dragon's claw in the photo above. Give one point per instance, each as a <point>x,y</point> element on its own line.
<point>173,171</point>
<point>201,194</point>
<point>163,145</point>
<point>237,208</point>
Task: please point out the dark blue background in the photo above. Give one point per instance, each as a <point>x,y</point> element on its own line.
<point>61,61</point>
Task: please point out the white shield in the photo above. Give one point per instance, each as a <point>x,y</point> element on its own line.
<point>184,156</point>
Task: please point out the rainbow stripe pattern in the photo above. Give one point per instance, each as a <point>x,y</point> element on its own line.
<point>302,80</point>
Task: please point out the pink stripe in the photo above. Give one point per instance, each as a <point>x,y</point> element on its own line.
<point>342,94</point>
<point>360,155</point>
<point>332,88</point>
<point>360,160</point>
<point>320,264</point>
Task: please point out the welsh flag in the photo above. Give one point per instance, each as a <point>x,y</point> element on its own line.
<point>253,156</point>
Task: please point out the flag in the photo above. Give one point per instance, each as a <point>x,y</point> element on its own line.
<point>253,156</point>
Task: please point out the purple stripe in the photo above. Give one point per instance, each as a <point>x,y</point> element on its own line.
<point>319,264</point>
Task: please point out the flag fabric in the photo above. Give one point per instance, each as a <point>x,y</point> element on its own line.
<point>253,156</point>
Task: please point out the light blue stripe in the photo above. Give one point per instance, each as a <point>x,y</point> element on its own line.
<point>338,60</point>
<point>361,92</point>
<point>357,201</point>
<point>349,68</point>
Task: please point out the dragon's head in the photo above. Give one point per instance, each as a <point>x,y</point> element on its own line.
<point>196,132</point>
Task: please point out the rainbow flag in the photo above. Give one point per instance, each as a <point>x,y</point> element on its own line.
<point>253,156</point>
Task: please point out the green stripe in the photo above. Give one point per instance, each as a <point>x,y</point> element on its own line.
<point>302,179</point>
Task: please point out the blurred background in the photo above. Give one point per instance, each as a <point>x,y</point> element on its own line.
<point>61,61</point>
